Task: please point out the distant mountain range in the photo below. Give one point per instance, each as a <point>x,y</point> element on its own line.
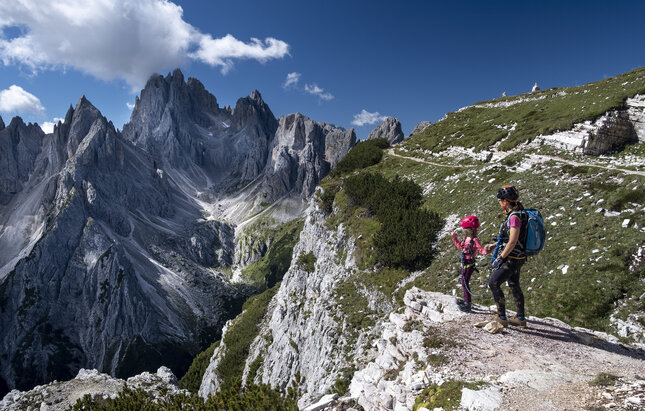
<point>113,245</point>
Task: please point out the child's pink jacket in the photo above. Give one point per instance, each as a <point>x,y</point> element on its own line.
<point>463,246</point>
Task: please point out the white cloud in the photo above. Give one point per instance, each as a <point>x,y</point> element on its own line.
<point>292,80</point>
<point>122,39</point>
<point>317,91</point>
<point>365,117</point>
<point>130,105</point>
<point>16,100</point>
<point>48,126</point>
<point>220,52</point>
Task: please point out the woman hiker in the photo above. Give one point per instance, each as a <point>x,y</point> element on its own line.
<point>511,258</point>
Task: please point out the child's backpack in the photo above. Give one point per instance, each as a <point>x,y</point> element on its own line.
<point>535,232</point>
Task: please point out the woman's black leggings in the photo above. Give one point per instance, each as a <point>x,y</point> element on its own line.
<point>509,271</point>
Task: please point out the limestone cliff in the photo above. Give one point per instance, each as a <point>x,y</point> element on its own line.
<point>303,336</point>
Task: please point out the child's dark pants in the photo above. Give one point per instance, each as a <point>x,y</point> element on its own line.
<point>466,273</point>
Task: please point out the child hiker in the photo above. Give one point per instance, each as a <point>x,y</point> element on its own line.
<point>468,247</point>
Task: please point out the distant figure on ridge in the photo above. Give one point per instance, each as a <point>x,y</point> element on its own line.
<point>504,94</point>
<point>468,247</point>
<point>535,88</point>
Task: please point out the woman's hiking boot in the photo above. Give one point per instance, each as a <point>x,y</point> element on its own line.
<point>502,321</point>
<point>517,321</point>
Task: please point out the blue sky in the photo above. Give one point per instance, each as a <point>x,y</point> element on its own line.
<point>413,60</point>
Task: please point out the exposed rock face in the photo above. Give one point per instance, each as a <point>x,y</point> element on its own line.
<point>389,129</point>
<point>120,268</point>
<point>181,125</point>
<point>20,144</point>
<point>61,396</point>
<point>420,127</point>
<point>111,243</point>
<point>303,151</point>
<point>636,112</point>
<point>523,369</point>
<point>610,132</point>
<point>303,332</point>
<point>239,160</point>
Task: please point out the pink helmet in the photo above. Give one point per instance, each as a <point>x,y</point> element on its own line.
<point>470,222</point>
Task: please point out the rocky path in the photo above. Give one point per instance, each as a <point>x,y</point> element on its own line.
<point>546,366</point>
<point>420,160</point>
<point>535,157</point>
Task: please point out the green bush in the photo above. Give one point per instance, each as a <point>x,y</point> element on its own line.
<point>364,154</point>
<point>407,231</point>
<point>307,261</point>
<point>341,386</point>
<point>604,379</point>
<point>234,397</point>
<point>446,396</point>
<point>327,199</point>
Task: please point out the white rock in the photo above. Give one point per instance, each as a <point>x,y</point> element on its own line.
<point>538,380</point>
<point>626,223</point>
<point>487,399</point>
<point>324,402</point>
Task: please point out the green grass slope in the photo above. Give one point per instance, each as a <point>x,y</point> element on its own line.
<point>517,119</point>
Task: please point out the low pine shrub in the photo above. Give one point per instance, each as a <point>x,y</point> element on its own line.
<point>407,231</point>
<point>235,397</point>
<point>307,261</point>
<point>364,154</point>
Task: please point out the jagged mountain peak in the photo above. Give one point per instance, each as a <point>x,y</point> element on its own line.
<point>255,95</point>
<point>19,147</point>
<point>17,127</point>
<point>1,123</point>
<point>390,129</point>
<point>190,95</point>
<point>16,122</point>
<point>254,109</point>
<point>85,108</point>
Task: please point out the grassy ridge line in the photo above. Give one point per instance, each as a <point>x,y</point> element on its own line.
<point>528,115</point>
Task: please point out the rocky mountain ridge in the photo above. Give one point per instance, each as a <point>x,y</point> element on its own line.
<point>115,246</point>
